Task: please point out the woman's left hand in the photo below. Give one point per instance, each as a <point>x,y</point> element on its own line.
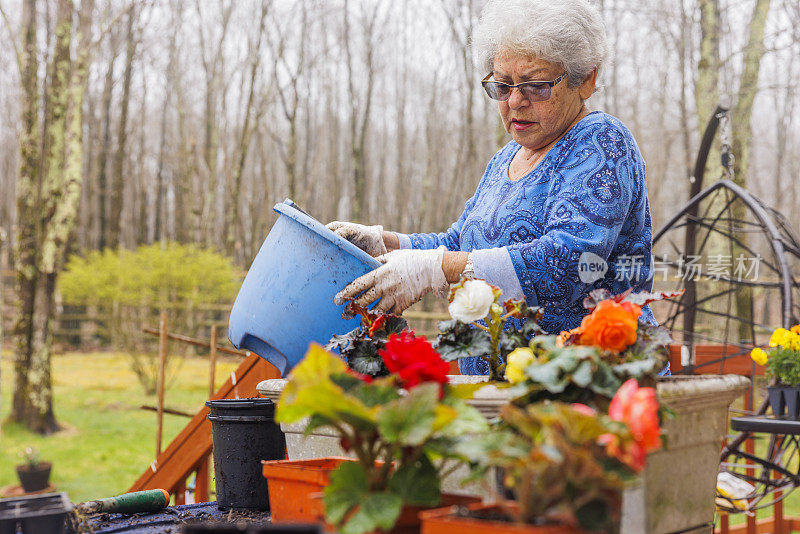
<point>404,278</point>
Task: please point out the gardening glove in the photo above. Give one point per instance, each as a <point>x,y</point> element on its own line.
<point>367,238</point>
<point>404,278</point>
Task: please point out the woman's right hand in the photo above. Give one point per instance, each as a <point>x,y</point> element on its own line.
<point>367,238</point>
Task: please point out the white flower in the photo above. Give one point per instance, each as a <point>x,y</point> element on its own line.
<point>471,301</point>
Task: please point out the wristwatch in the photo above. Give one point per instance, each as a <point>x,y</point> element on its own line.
<point>469,269</point>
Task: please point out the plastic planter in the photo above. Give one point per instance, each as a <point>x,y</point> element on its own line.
<point>286,299</point>
<point>244,433</point>
<point>784,401</point>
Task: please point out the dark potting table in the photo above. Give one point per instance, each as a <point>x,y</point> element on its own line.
<point>198,518</point>
<point>775,472</point>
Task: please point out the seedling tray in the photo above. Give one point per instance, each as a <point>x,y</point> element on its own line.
<point>35,514</point>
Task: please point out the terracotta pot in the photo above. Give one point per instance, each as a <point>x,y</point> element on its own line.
<point>34,479</point>
<point>295,493</point>
<point>295,488</point>
<point>445,521</point>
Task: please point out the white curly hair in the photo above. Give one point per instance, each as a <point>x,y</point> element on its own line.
<point>570,33</point>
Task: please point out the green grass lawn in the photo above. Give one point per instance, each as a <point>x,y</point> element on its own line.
<point>107,441</point>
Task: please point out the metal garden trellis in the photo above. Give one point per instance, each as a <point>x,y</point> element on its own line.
<point>725,217</point>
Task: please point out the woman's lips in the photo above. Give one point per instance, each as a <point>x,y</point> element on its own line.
<point>521,125</point>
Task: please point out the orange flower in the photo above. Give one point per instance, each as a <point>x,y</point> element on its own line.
<point>638,409</point>
<point>630,453</point>
<point>567,335</point>
<point>611,326</point>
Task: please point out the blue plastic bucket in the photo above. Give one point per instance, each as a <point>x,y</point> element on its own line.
<point>286,299</point>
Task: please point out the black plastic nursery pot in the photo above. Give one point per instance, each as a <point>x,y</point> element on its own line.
<point>784,401</point>
<point>244,432</point>
<point>35,514</point>
<point>34,478</point>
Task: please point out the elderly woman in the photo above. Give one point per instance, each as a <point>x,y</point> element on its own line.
<point>560,210</point>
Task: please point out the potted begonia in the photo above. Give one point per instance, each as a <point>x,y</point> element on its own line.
<point>588,364</point>
<point>499,332</point>
<point>567,465</point>
<point>782,361</point>
<point>401,428</point>
<point>484,326</point>
<point>360,347</point>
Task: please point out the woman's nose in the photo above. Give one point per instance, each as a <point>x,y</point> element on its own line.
<point>516,99</point>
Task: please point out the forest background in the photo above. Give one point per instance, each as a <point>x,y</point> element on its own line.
<point>130,122</point>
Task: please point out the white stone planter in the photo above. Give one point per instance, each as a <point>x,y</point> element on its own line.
<point>677,489</point>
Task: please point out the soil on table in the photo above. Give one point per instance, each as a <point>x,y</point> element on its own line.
<point>170,520</point>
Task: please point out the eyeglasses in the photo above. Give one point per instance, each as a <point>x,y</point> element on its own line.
<point>532,91</point>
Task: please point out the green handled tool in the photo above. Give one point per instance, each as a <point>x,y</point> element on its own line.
<point>128,503</point>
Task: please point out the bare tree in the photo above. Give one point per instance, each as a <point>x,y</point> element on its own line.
<point>253,110</point>
<point>117,185</point>
<point>213,68</point>
<point>47,198</point>
<point>361,94</point>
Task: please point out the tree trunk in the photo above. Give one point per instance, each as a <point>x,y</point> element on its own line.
<point>741,143</point>
<point>117,180</point>
<point>235,230</point>
<point>102,164</point>
<point>48,199</point>
<point>706,87</point>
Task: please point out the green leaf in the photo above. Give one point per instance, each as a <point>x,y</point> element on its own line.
<point>364,358</point>
<point>410,419</point>
<point>583,374</point>
<point>342,342</point>
<point>376,393</point>
<point>460,340</point>
<point>376,511</point>
<point>549,374</point>
<point>346,381</point>
<point>347,488</point>
<point>467,420</point>
<point>394,325</point>
<point>595,516</point>
<point>638,368</point>
<point>417,484</point>
<point>311,390</point>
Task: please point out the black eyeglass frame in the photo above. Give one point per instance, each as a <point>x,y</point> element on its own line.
<point>521,87</point>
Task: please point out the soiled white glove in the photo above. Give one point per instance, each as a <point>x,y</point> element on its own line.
<point>404,278</point>
<point>367,238</point>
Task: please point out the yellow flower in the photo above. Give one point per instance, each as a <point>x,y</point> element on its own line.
<point>792,341</point>
<point>778,338</point>
<point>518,360</point>
<point>795,329</point>
<point>759,356</point>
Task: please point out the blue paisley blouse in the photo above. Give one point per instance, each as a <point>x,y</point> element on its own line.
<point>580,220</point>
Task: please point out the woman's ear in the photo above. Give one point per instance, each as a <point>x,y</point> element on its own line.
<point>586,89</point>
